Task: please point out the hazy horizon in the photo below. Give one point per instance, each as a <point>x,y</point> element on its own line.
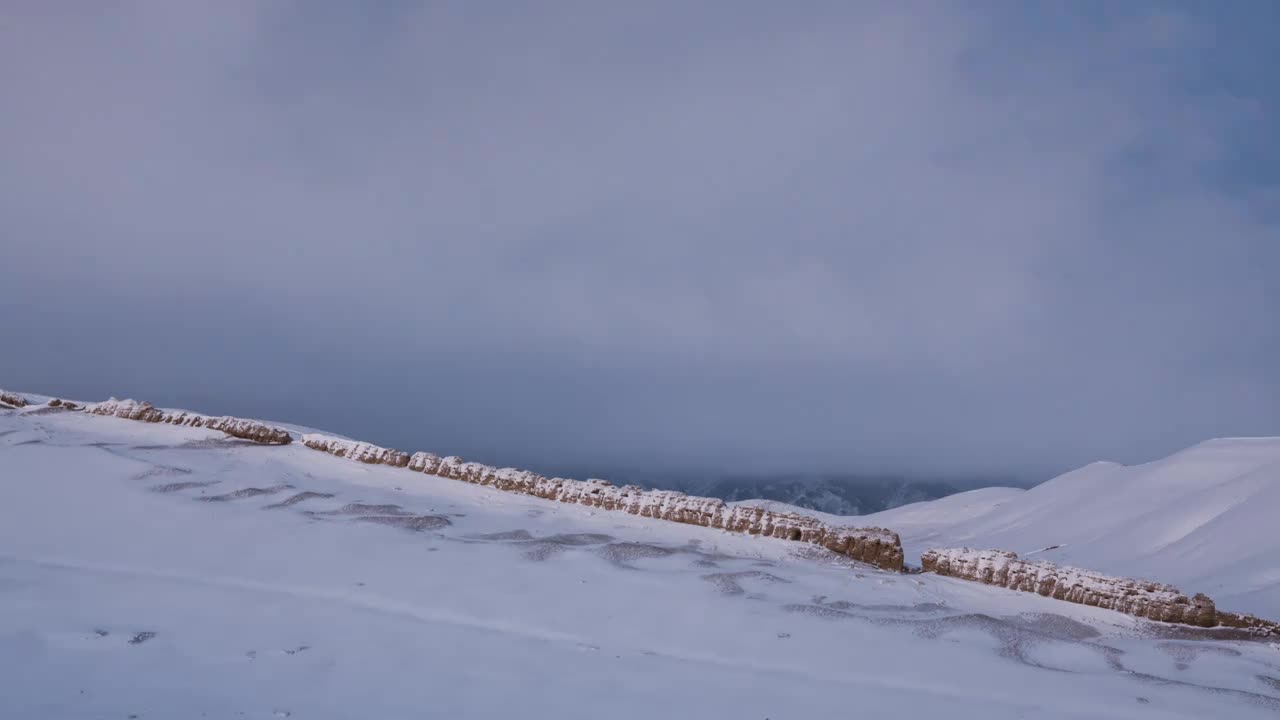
<point>925,239</point>
<point>651,471</point>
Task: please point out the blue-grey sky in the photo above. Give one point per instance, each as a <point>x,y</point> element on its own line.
<point>1000,237</point>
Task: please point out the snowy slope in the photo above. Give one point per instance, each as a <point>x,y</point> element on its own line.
<point>167,572</point>
<point>925,515</point>
<point>1203,519</point>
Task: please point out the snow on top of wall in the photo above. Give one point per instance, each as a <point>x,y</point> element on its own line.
<point>242,428</point>
<point>871,544</point>
<point>1141,598</point>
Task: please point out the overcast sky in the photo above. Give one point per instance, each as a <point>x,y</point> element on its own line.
<point>951,237</point>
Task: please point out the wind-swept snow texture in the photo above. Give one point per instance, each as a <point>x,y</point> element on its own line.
<point>1203,519</point>
<point>166,571</point>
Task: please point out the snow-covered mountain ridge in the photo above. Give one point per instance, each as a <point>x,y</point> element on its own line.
<point>874,545</point>
<point>163,570</point>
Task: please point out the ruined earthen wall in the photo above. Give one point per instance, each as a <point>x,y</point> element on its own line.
<point>875,546</point>
<point>1140,598</point>
<point>358,451</point>
<point>12,400</point>
<point>233,426</point>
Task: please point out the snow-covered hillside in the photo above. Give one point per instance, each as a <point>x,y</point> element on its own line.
<point>167,571</point>
<point>1203,519</point>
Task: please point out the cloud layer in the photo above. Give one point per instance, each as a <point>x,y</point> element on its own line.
<point>738,236</point>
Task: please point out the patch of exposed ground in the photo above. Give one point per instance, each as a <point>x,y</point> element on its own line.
<point>1053,625</point>
<point>1184,654</point>
<point>416,523</point>
<point>507,536</point>
<point>141,637</point>
<point>356,509</point>
<point>295,499</point>
<point>1018,634</point>
<point>179,486</point>
<point>540,549</point>
<point>577,539</point>
<point>1266,701</point>
<point>246,493</point>
<point>619,553</point>
<point>162,470</point>
<point>622,553</point>
<point>845,606</point>
<point>731,583</point>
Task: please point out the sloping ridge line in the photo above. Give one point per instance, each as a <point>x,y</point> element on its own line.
<point>876,546</point>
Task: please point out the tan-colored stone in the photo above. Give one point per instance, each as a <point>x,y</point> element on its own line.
<point>1141,598</point>
<point>875,546</point>
<point>13,400</point>
<point>233,426</point>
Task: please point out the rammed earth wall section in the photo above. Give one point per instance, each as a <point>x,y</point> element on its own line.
<point>233,426</point>
<point>1140,598</point>
<point>12,400</point>
<point>876,546</point>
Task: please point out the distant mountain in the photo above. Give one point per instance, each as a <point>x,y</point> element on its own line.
<point>834,494</point>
